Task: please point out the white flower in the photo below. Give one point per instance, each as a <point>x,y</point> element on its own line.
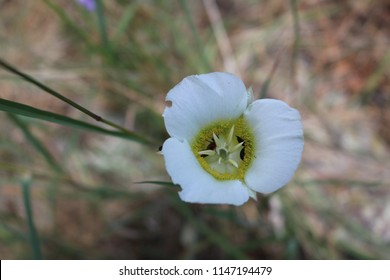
<point>225,148</point>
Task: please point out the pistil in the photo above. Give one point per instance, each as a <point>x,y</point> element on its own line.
<point>225,149</point>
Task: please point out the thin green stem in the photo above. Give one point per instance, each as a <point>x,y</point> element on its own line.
<point>106,46</point>
<point>297,37</point>
<point>127,17</point>
<point>34,238</point>
<point>70,23</point>
<point>28,111</point>
<point>54,93</point>
<point>265,86</point>
<point>52,163</point>
<point>212,235</point>
<point>107,122</point>
<point>30,79</point>
<point>195,34</point>
<point>375,78</point>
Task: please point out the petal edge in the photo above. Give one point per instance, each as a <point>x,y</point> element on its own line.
<point>279,144</point>
<point>202,99</point>
<point>197,185</point>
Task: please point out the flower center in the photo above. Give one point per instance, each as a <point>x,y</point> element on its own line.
<point>225,149</point>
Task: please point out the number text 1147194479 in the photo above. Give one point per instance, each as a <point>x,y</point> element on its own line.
<point>237,270</point>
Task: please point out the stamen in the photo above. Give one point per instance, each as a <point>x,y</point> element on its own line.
<point>207,153</point>
<point>230,137</point>
<point>224,148</point>
<point>236,147</point>
<point>232,162</point>
<point>216,140</point>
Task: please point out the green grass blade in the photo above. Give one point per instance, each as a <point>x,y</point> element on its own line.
<point>161,183</point>
<point>30,79</point>
<point>196,36</point>
<point>212,235</point>
<point>267,82</point>
<point>105,43</point>
<point>126,19</point>
<point>374,80</point>
<point>70,23</point>
<point>52,92</point>
<point>264,89</point>
<point>39,147</point>
<point>28,111</point>
<point>34,238</point>
<point>297,37</point>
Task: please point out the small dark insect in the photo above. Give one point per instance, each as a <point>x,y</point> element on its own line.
<point>210,146</point>
<point>242,152</point>
<point>160,148</point>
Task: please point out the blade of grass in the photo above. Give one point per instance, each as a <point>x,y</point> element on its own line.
<point>28,111</point>
<point>375,79</point>
<point>267,82</point>
<point>220,34</point>
<point>12,234</point>
<point>196,36</point>
<point>34,238</point>
<point>297,38</point>
<point>70,23</point>
<point>126,19</point>
<point>161,183</point>
<point>340,182</point>
<point>54,93</point>
<point>212,235</point>
<point>39,147</point>
<point>105,43</point>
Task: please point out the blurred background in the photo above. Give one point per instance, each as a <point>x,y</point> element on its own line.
<point>68,193</point>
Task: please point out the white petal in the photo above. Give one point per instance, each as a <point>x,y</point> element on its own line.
<point>202,99</point>
<point>279,144</point>
<point>197,185</point>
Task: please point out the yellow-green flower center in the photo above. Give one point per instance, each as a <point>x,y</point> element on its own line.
<point>225,149</point>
